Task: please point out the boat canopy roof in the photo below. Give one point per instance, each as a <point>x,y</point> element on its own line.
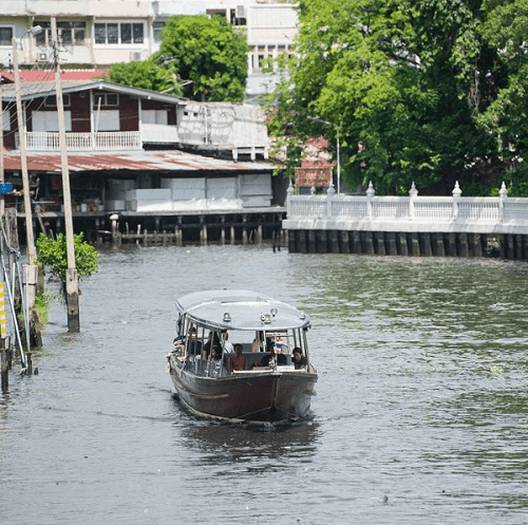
<point>240,310</point>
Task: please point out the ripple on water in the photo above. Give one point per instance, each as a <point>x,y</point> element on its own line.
<point>420,416</point>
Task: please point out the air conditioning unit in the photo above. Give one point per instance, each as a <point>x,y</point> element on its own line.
<point>42,57</point>
<point>240,11</point>
<point>135,56</point>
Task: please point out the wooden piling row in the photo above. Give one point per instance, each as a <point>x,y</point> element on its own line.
<point>409,244</point>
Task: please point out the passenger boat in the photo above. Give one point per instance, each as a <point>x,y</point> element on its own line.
<point>239,355</point>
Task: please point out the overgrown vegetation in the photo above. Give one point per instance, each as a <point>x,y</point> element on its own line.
<point>201,57</point>
<point>430,91</point>
<point>52,255</point>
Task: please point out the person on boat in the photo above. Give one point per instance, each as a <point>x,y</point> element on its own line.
<point>238,361</point>
<point>298,359</point>
<point>212,343</point>
<point>228,346</point>
<point>195,346</point>
<point>273,356</point>
<point>255,345</point>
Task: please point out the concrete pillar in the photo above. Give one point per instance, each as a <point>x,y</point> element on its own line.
<point>463,249</point>
<point>425,242</point>
<point>439,248</point>
<point>403,248</point>
<point>232,234</point>
<point>344,241</point>
<point>525,246</point>
<point>451,244</point>
<point>258,239</point>
<point>391,243</point>
<point>312,244</point>
<point>333,242</point>
<point>292,248</point>
<point>356,242</point>
<point>369,243</point>
<point>415,245</point>
<point>379,243</point>
<point>322,241</point>
<point>510,246</point>
<point>518,246</point>
<point>301,241</point>
<point>476,245</point>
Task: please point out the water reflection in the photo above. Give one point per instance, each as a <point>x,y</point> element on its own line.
<point>220,443</point>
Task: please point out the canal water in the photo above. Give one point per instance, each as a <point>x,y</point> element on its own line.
<point>420,417</point>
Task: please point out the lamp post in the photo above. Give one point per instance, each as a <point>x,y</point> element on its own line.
<point>31,268</point>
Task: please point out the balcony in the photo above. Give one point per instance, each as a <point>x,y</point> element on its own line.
<point>100,141</point>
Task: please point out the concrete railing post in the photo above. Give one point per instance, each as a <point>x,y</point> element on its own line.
<point>370,195</point>
<point>413,193</point>
<point>289,194</point>
<point>330,194</point>
<point>503,195</point>
<point>457,192</point>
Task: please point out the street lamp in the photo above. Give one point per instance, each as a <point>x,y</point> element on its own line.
<point>338,150</point>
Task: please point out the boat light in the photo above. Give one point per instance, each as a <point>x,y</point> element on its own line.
<point>265,318</point>
<point>274,311</point>
<point>302,315</point>
<point>227,317</point>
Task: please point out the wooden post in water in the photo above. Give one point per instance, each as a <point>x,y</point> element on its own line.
<point>4,365</point>
<point>244,230</point>
<point>222,230</point>
<point>232,239</point>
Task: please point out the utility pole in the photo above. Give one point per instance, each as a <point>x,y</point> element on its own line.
<point>72,279</point>
<point>31,268</point>
<point>2,178</point>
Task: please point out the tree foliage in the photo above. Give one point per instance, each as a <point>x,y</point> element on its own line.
<point>146,74</point>
<point>52,255</point>
<point>430,91</point>
<point>209,53</point>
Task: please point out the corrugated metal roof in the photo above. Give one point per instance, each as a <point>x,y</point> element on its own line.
<point>32,75</point>
<point>30,90</point>
<point>163,160</point>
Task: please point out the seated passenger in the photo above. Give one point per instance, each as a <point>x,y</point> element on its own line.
<point>280,359</point>
<point>298,359</point>
<point>238,361</point>
<point>255,345</point>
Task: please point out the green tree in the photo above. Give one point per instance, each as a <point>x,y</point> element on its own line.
<point>429,91</point>
<point>209,53</point>
<point>146,74</point>
<point>52,255</point>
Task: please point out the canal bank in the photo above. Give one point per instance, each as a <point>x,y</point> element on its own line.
<point>420,398</point>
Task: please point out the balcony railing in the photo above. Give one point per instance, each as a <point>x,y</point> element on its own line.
<point>100,141</point>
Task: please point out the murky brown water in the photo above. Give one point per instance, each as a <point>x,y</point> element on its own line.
<point>421,413</point>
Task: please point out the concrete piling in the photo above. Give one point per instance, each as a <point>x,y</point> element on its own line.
<point>403,248</point>
<point>415,245</point>
<point>344,241</point>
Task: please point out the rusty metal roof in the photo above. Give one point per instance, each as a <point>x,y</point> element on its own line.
<point>162,160</point>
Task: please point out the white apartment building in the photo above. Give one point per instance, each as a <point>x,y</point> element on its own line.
<point>102,32</point>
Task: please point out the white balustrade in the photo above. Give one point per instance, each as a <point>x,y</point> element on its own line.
<point>100,141</point>
<point>371,212</point>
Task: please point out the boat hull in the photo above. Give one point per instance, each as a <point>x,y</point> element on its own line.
<point>266,396</point>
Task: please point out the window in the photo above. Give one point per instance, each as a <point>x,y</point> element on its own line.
<point>119,33</point>
<point>154,116</point>
<point>49,121</point>
<point>51,102</point>
<point>106,100</point>
<point>237,17</point>
<point>107,120</point>
<point>158,28</point>
<point>6,35</point>
<point>6,117</point>
<point>69,33</point>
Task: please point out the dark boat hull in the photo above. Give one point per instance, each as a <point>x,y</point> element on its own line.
<point>264,396</point>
